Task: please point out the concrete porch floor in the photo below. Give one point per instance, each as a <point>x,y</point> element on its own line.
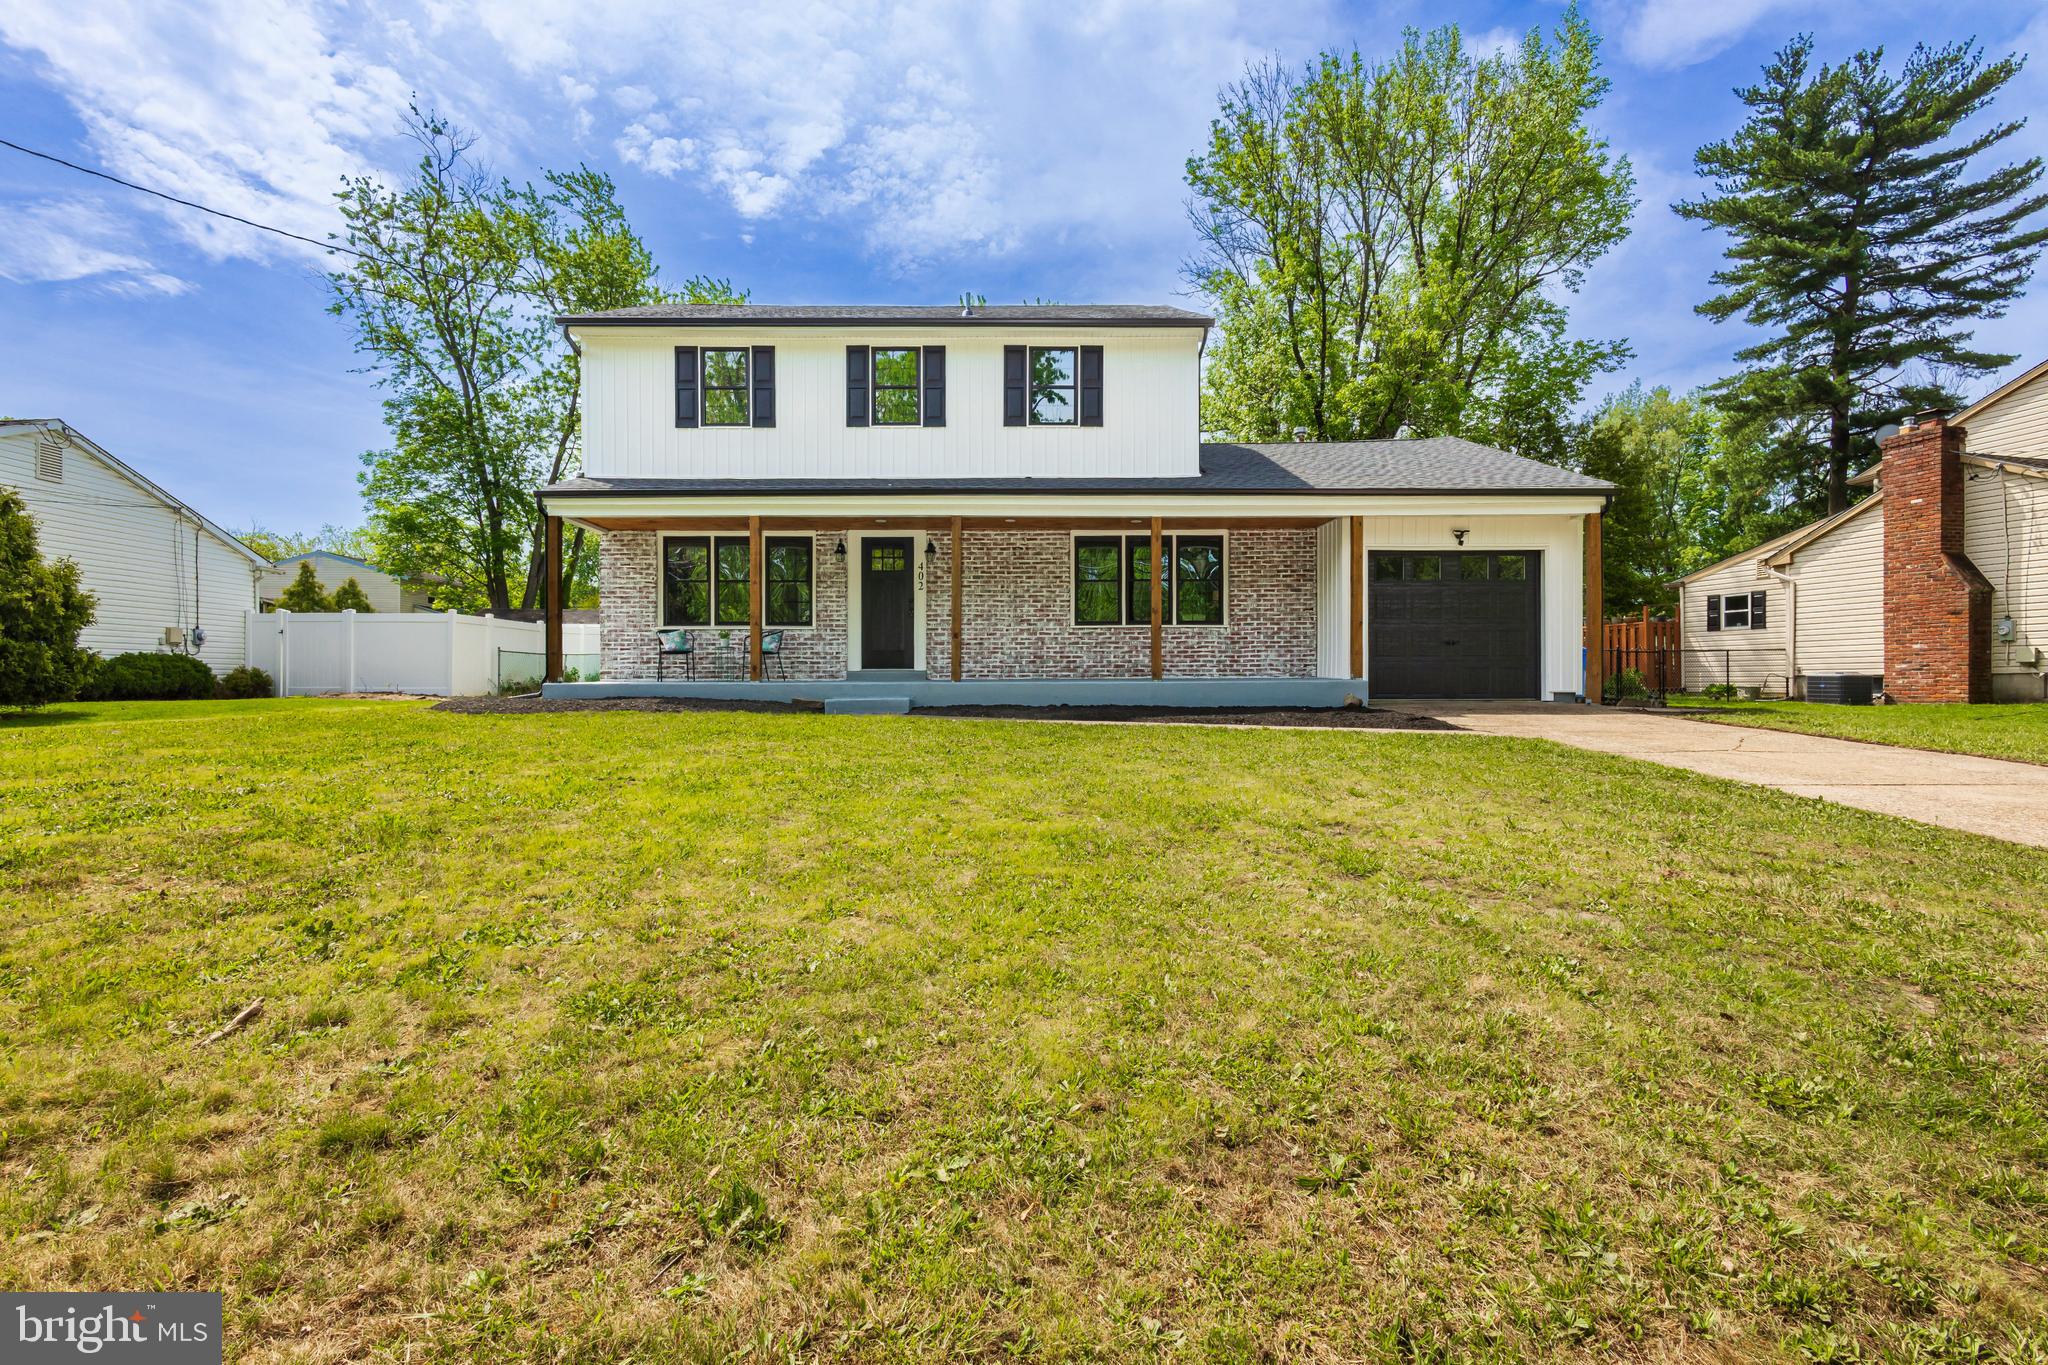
<point>1991,796</point>
<point>1290,692</point>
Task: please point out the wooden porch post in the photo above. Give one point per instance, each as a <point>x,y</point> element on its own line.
<point>1358,597</point>
<point>552,562</point>
<point>1596,652</point>
<point>953,636</point>
<point>1158,597</point>
<point>755,590</point>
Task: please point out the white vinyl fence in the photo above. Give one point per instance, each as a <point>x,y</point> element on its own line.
<point>439,654</point>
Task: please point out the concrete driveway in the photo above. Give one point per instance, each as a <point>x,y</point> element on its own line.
<point>1984,795</point>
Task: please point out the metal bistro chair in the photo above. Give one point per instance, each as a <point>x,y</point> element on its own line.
<point>677,643</point>
<point>771,649</point>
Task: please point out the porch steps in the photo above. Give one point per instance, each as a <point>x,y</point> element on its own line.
<point>867,706</point>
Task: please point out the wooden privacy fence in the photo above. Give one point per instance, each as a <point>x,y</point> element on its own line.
<point>1647,644</point>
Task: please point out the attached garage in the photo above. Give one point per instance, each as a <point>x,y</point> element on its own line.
<point>1457,624</point>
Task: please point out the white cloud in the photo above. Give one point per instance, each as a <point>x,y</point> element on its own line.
<point>75,240</point>
<point>1669,34</point>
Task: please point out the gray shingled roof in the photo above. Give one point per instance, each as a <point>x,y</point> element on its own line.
<point>927,315</point>
<point>1430,464</point>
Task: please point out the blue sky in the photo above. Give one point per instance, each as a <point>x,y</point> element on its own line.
<point>811,152</point>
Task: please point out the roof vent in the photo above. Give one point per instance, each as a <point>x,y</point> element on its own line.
<point>1404,432</point>
<point>1300,435</point>
<point>49,457</point>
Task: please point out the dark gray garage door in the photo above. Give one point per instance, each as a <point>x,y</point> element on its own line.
<point>1453,625</point>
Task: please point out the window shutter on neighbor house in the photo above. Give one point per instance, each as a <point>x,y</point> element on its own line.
<point>1091,386</point>
<point>856,386</point>
<point>764,386</point>
<point>1714,611</point>
<point>1015,386</point>
<point>935,386</point>
<point>686,386</point>
<point>1756,611</point>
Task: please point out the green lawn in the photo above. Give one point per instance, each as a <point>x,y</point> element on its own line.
<point>674,1037</point>
<point>2017,730</point>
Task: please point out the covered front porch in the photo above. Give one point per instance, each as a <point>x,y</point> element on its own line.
<point>1024,605</point>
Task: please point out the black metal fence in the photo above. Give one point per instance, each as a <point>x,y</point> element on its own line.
<point>1764,670</point>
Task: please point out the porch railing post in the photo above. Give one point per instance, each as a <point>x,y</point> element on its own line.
<point>754,594</point>
<point>1158,598</point>
<point>953,636</point>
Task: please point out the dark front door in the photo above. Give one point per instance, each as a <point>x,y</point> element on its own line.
<point>886,597</point>
<point>1453,625</point>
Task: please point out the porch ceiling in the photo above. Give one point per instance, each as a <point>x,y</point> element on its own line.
<point>931,523</point>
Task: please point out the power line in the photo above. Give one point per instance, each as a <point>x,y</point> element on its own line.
<point>144,189</point>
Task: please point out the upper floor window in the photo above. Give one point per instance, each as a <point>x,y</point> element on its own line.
<point>896,386</point>
<point>725,387</point>
<point>1055,371</point>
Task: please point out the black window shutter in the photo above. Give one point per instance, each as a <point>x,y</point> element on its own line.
<point>686,386</point>
<point>1714,612</point>
<point>1091,386</point>
<point>935,386</point>
<point>764,386</point>
<point>1013,386</point>
<point>856,386</point>
<point>1756,611</point>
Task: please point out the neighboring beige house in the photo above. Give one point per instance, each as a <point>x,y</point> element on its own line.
<point>166,578</point>
<point>1936,582</point>
<point>386,593</point>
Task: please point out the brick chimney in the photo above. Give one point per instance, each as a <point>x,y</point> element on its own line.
<point>1937,606</point>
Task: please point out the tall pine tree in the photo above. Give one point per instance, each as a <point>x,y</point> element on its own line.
<point>1865,244</point>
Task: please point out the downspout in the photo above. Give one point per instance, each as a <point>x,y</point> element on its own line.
<point>1791,624</point>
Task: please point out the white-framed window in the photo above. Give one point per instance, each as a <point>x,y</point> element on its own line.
<point>1112,579</point>
<point>896,394</point>
<point>1055,381</point>
<point>727,393</point>
<point>706,581</point>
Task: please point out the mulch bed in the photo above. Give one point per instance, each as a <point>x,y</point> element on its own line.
<point>1336,718</point>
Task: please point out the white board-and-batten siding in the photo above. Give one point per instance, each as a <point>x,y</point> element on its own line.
<point>148,564</point>
<point>1151,424</point>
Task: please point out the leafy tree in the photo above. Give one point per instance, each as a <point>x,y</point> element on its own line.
<point>1386,245</point>
<point>281,545</point>
<point>42,609</point>
<point>453,303</point>
<point>304,592</point>
<point>1692,486</point>
<point>351,597</point>
<point>1864,244</point>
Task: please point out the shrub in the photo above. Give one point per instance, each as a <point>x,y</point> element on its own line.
<point>304,593</point>
<point>245,682</point>
<point>148,677</point>
<point>1627,685</point>
<point>42,609</point>
<point>1718,692</point>
<point>351,597</point>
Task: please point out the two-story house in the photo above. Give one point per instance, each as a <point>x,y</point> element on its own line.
<point>997,504</point>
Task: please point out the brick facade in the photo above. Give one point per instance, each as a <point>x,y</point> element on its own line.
<point>1017,613</point>
<point>1937,605</point>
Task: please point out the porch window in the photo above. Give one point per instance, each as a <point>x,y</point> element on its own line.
<point>895,386</point>
<point>1053,378</point>
<point>1198,580</point>
<point>1096,584</point>
<point>705,581</point>
<point>1113,580</point>
<point>725,387</point>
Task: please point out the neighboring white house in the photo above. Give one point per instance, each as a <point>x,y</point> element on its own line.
<point>386,593</point>
<point>970,504</point>
<point>1936,582</point>
<point>166,578</point>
